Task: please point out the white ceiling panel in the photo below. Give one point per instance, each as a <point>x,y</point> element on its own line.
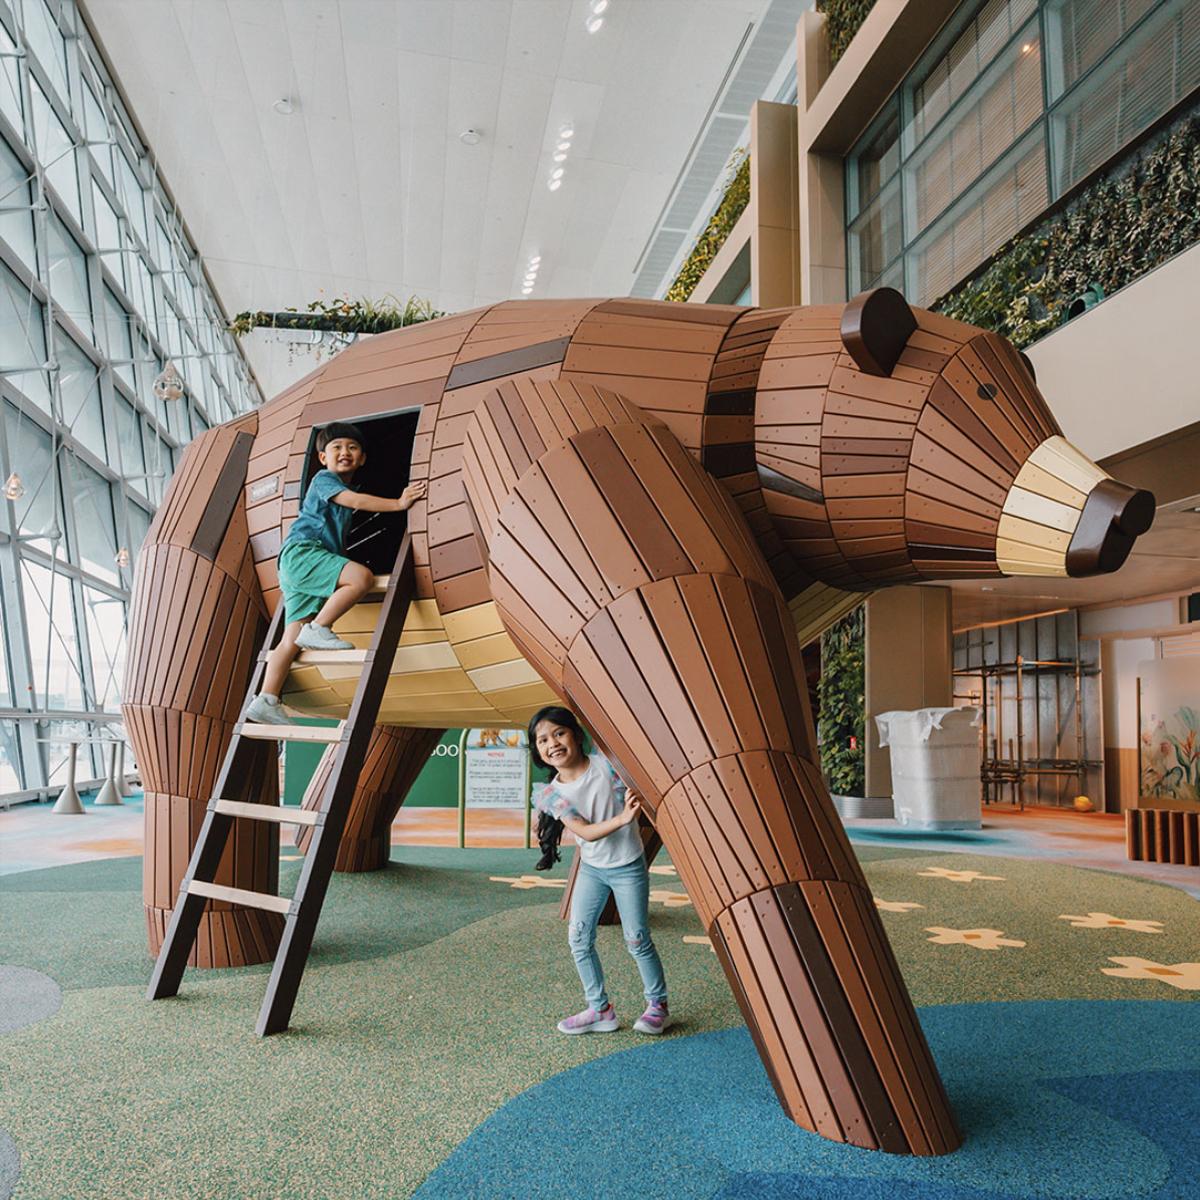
<point>367,189</point>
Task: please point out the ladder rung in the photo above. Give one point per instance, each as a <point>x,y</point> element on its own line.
<point>216,891</point>
<point>268,812</point>
<point>293,733</point>
<point>381,583</point>
<point>307,658</point>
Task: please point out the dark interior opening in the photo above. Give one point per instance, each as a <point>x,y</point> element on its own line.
<point>374,538</point>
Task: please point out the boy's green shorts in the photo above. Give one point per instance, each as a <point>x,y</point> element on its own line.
<point>308,576</point>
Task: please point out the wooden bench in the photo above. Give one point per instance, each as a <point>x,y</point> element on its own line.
<point>1163,835</point>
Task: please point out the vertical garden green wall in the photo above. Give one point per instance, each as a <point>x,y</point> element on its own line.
<point>842,20</point>
<point>842,692</point>
<point>1126,222</point>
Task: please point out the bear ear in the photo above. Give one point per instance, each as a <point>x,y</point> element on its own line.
<point>876,326</point>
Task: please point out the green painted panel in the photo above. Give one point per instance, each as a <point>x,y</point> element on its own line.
<point>435,787</point>
<point>437,784</point>
<point>300,761</point>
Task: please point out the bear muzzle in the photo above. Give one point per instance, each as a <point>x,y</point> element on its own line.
<point>1113,517</point>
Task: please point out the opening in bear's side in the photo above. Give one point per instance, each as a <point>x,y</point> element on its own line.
<point>374,538</point>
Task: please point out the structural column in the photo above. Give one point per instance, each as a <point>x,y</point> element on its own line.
<point>909,659</point>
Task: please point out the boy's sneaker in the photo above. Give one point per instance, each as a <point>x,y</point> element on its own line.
<point>654,1020</point>
<point>591,1021</point>
<point>316,637</point>
<point>260,711</point>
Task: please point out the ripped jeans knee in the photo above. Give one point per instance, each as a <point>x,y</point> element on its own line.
<point>639,942</point>
<point>581,936</point>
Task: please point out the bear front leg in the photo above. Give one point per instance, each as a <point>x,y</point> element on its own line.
<point>196,623</point>
<point>633,585</point>
<point>395,757</point>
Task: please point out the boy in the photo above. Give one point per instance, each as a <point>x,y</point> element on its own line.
<point>318,582</point>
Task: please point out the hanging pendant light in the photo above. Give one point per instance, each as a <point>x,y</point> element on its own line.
<point>14,489</point>
<point>168,384</point>
<point>122,559</point>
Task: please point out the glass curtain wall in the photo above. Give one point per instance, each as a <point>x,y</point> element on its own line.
<point>1013,105</point>
<point>100,288</point>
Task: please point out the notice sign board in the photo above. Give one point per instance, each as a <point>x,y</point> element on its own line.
<point>496,769</point>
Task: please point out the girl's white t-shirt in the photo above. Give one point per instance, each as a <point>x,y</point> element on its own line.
<point>595,796</point>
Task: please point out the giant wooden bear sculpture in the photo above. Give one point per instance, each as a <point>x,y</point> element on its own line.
<point>631,505</point>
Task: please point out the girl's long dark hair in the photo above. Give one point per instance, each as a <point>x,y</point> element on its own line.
<point>550,829</point>
<point>556,715</point>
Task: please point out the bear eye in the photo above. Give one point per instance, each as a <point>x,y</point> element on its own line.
<point>987,391</point>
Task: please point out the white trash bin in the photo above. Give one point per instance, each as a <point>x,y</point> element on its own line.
<point>935,766</point>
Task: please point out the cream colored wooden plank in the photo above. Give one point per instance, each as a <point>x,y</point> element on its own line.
<point>1041,510</point>
<point>1034,479</point>
<point>217,891</point>
<point>1016,567</point>
<point>1024,552</point>
<point>269,812</point>
<point>483,652</point>
<point>470,623</point>
<point>817,607</point>
<point>436,656</point>
<point>334,674</point>
<point>293,733</point>
<point>303,701</point>
<point>452,708</point>
<point>1057,456</point>
<point>422,637</point>
<point>536,694</point>
<point>504,675</point>
<point>321,658</point>
<point>423,614</point>
<point>1015,529</point>
<point>418,683</point>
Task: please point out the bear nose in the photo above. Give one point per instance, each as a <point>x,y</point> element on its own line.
<point>1114,516</point>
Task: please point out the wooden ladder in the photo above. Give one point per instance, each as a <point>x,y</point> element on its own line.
<point>302,910</point>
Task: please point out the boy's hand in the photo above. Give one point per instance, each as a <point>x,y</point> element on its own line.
<point>411,495</point>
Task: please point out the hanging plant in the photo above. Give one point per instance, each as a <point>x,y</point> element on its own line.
<point>1128,221</point>
<point>733,204</point>
<point>842,690</point>
<point>341,316</point>
<point>842,21</point>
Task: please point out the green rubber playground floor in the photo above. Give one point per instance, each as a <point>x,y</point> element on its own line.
<point>429,1004</point>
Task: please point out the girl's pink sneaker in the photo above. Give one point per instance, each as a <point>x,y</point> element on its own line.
<point>654,1020</point>
<point>591,1021</point>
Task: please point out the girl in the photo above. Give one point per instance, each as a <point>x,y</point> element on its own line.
<point>586,794</point>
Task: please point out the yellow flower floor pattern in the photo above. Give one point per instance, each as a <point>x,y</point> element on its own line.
<point>429,1003</point>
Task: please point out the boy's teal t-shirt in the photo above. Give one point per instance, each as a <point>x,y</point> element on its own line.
<point>320,520</point>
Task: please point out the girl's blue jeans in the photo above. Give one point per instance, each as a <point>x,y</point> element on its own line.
<point>630,885</point>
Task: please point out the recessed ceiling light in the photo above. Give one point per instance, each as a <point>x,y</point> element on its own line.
<point>537,258</point>
<point>554,184</point>
<point>284,107</point>
<point>563,146</point>
<point>557,173</point>
<point>469,137</point>
<point>560,157</point>
<point>598,6</point>
<point>526,290</point>
<point>594,24</point>
<point>567,131</point>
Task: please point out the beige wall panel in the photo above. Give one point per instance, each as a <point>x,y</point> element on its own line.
<point>909,653</point>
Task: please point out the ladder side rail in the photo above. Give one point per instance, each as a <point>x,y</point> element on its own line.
<point>209,847</point>
<point>292,956</point>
